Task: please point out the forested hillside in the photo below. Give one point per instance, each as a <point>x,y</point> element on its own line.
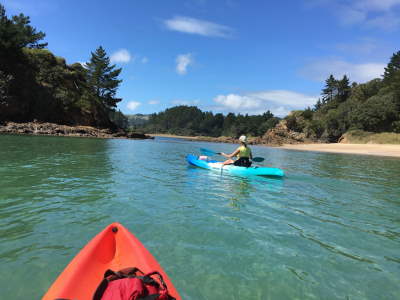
<point>37,85</point>
<point>190,120</point>
<point>373,106</point>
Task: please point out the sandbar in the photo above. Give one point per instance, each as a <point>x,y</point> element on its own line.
<point>363,149</point>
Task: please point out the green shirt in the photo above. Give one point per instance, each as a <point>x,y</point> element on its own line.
<point>244,152</point>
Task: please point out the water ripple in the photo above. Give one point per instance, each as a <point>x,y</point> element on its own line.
<point>329,230</point>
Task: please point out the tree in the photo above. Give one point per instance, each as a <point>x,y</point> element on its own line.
<point>391,77</point>
<point>344,88</point>
<point>392,68</point>
<point>16,73</point>
<point>118,118</point>
<point>377,114</point>
<point>318,105</point>
<point>102,77</point>
<point>16,34</point>
<point>330,90</point>
<point>4,86</point>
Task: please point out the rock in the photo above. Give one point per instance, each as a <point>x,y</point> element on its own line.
<point>36,128</point>
<point>281,134</point>
<point>134,135</point>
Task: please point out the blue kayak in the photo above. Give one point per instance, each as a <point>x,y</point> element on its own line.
<point>231,169</point>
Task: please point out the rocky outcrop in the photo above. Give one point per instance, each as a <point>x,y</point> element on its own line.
<point>281,134</point>
<point>35,128</point>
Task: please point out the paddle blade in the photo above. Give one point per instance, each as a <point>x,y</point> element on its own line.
<point>258,159</point>
<point>207,152</point>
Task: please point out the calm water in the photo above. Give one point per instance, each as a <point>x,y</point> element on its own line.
<point>329,230</point>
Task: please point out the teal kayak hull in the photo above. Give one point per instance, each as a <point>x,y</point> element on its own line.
<point>231,169</point>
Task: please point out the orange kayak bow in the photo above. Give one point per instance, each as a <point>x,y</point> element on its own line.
<point>114,248</point>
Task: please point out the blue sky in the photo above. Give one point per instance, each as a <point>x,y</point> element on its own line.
<point>222,56</point>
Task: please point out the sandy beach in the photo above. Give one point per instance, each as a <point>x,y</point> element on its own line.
<point>364,149</point>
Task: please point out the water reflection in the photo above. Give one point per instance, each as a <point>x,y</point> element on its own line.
<point>239,193</point>
<point>237,189</point>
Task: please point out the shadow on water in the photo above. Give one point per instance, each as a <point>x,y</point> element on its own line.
<point>237,189</point>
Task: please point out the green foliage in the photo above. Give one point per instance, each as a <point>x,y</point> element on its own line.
<point>190,120</point>
<point>295,121</point>
<point>343,88</point>
<point>330,90</point>
<point>392,69</point>
<point>102,77</point>
<point>391,77</point>
<point>4,87</point>
<point>377,114</point>
<point>334,93</point>
<point>396,126</point>
<point>373,106</point>
<point>35,84</point>
<point>119,119</point>
<point>16,33</point>
<point>314,129</point>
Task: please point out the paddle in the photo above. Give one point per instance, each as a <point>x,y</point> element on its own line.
<point>209,152</point>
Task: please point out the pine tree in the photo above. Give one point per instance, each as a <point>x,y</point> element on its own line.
<point>344,88</point>
<point>16,34</point>
<point>391,77</point>
<point>392,68</point>
<point>318,105</point>
<point>330,90</point>
<point>102,77</point>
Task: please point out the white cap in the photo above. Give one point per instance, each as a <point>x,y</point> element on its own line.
<point>243,139</point>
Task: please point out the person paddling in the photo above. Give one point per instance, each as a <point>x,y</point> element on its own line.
<point>243,154</point>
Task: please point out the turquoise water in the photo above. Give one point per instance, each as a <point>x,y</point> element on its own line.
<point>329,230</point>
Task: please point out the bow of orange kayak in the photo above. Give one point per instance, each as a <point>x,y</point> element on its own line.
<point>113,248</point>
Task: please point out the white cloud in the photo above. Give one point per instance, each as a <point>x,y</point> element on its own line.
<point>196,26</point>
<point>388,21</point>
<point>376,5</point>
<point>349,15</point>
<point>365,46</point>
<point>132,105</point>
<point>279,102</point>
<point>83,64</point>
<point>183,61</point>
<point>286,98</point>
<point>320,70</point>
<point>153,102</point>
<point>381,14</point>
<point>121,56</point>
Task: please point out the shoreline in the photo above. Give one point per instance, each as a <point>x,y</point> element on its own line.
<point>388,150</point>
<point>53,129</point>
<point>199,138</point>
<point>184,137</point>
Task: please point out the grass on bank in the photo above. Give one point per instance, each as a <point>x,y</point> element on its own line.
<point>364,137</point>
